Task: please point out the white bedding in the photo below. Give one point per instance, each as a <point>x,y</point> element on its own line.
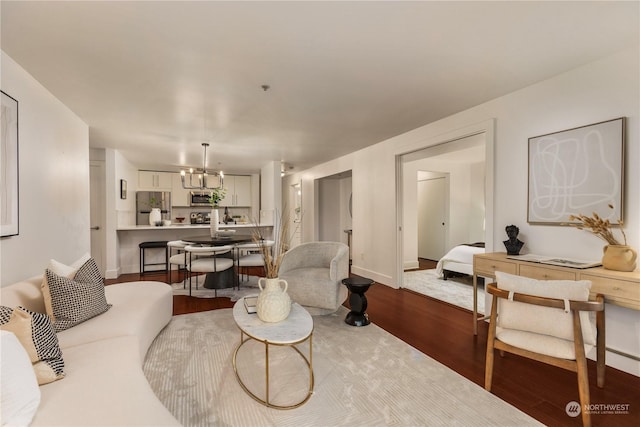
<point>460,256</point>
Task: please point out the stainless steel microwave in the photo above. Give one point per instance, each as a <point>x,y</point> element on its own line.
<point>199,198</point>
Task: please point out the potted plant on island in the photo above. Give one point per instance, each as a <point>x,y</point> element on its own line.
<point>215,197</point>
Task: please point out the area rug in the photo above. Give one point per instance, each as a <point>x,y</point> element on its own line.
<point>248,286</point>
<point>457,290</point>
<point>363,377</point>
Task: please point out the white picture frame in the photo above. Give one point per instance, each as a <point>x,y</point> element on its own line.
<point>577,171</point>
<point>9,195</point>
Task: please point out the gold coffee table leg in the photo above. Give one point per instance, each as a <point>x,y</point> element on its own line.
<point>265,401</point>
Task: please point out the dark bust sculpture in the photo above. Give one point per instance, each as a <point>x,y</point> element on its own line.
<point>513,245</point>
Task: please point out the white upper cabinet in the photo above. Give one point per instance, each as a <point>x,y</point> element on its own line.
<point>153,180</point>
<point>238,190</point>
<point>179,196</point>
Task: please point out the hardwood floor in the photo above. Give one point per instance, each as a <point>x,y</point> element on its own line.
<point>444,332</point>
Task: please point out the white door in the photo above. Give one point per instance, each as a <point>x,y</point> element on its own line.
<point>432,221</point>
<point>97,207</point>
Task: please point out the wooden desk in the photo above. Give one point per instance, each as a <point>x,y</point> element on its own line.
<point>618,287</point>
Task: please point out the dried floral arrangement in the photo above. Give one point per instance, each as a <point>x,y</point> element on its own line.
<point>602,228</point>
<point>272,255</point>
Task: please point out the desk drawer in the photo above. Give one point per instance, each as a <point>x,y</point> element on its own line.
<point>543,273</point>
<point>490,266</point>
<point>623,292</point>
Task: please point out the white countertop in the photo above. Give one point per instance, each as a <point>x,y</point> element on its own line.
<point>186,227</point>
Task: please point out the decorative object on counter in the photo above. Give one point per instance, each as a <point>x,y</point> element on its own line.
<point>203,176</point>
<point>272,258</point>
<point>227,218</point>
<point>273,304</point>
<point>513,245</point>
<point>155,217</point>
<point>616,255</point>
<point>179,219</point>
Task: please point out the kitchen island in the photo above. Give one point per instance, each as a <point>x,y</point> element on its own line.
<point>130,236</point>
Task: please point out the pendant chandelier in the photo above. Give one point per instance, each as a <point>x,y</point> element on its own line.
<point>200,179</point>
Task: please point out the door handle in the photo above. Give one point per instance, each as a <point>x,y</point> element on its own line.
<point>97,227</point>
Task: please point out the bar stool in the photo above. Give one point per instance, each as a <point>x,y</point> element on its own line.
<point>153,245</point>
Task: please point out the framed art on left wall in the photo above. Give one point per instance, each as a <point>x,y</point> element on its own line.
<point>9,213</point>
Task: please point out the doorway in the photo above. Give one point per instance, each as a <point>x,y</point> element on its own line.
<point>97,189</point>
<point>333,207</point>
<point>433,214</point>
<point>465,156</point>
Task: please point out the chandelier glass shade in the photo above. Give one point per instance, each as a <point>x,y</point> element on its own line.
<point>201,179</point>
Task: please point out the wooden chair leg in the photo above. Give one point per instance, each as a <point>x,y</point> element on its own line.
<point>581,369</point>
<point>600,345</point>
<point>488,367</point>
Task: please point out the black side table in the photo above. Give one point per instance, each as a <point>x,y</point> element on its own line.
<point>358,301</point>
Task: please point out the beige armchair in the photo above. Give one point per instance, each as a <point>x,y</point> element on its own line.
<point>314,272</point>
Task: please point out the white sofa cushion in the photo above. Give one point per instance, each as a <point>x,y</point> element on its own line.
<point>549,321</point>
<point>73,301</point>
<point>35,333</point>
<point>19,392</point>
<point>105,385</point>
<point>141,309</point>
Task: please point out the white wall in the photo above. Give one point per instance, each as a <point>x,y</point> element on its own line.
<point>598,91</point>
<point>53,180</point>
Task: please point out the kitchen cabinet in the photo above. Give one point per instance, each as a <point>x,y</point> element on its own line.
<point>238,190</point>
<point>180,197</point>
<point>154,180</point>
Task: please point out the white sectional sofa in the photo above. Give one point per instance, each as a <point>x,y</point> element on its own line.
<point>104,383</point>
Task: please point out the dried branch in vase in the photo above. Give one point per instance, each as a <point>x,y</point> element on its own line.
<point>602,228</point>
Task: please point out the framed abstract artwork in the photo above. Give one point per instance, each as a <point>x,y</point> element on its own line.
<point>577,171</point>
<point>9,213</point>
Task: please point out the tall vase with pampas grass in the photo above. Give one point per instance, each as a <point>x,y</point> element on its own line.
<point>273,304</point>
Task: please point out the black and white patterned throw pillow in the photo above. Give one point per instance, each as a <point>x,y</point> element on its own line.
<point>75,300</point>
<point>35,333</point>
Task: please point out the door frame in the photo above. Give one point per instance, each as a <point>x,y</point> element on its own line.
<point>98,188</point>
<point>488,129</point>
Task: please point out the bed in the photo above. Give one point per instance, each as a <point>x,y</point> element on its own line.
<point>459,260</point>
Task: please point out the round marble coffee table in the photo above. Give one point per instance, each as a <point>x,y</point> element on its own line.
<point>295,329</point>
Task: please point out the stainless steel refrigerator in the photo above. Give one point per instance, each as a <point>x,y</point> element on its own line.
<point>145,200</point>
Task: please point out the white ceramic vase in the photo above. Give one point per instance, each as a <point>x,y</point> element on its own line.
<point>215,219</point>
<point>274,303</point>
<point>155,216</point>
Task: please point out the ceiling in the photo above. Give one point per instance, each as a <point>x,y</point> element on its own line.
<point>155,79</point>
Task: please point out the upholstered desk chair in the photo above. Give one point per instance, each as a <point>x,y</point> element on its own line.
<point>177,256</point>
<point>205,259</point>
<point>548,321</point>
